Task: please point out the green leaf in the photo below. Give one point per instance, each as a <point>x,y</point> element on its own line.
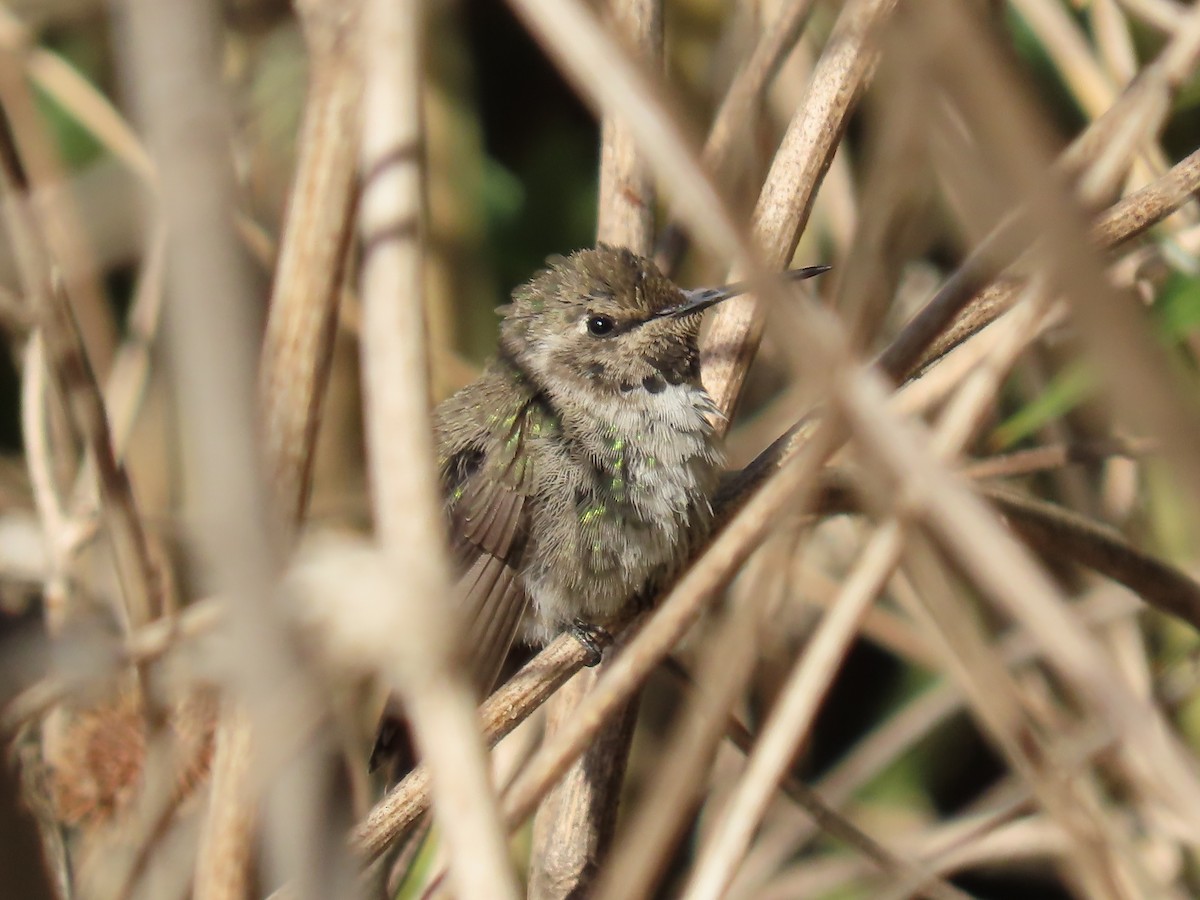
<point>1066,390</point>
<point>503,193</point>
<point>76,144</point>
<point>1177,309</point>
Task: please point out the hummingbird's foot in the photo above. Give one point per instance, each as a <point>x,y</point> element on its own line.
<point>593,638</point>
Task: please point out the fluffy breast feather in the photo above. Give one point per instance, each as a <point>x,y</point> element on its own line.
<point>628,496</point>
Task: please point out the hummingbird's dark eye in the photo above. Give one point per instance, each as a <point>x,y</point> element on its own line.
<point>600,325</point>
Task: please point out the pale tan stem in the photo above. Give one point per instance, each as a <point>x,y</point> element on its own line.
<point>270,702</point>
<point>791,716</point>
<point>298,345</point>
<point>407,509</point>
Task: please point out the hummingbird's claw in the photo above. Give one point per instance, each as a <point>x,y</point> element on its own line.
<point>593,638</point>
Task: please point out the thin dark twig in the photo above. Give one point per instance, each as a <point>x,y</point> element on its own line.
<point>68,360</point>
<point>1061,533</point>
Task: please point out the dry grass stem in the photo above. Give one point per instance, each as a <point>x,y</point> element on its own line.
<point>227,821</point>
<point>907,725</point>
<point>74,377</point>
<point>406,506</point>
<point>884,627</point>
<point>859,392</point>
<point>899,733</point>
<point>738,108</point>
<point>1134,214</point>
<point>575,821</point>
<point>791,717</point>
<point>626,202</point>
<point>1059,531</point>
<point>1165,15</point>
<point>727,659</point>
<point>1040,459</point>
<point>1007,573</point>
<point>170,59</point>
<point>922,880</point>
<point>1092,858</point>
<point>61,534</point>
<point>1108,320</point>
<point>608,80</point>
<point>298,346</point>
<point>1064,41</point>
<point>133,366</point>
<point>1026,839</point>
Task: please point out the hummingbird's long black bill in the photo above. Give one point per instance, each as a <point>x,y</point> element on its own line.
<point>700,299</point>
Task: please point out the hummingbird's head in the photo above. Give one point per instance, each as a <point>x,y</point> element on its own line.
<point>605,320</point>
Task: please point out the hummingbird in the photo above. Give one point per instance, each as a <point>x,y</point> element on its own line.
<point>578,469</point>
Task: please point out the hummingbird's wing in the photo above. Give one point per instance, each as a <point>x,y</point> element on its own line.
<point>489,524</point>
<point>486,480</point>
